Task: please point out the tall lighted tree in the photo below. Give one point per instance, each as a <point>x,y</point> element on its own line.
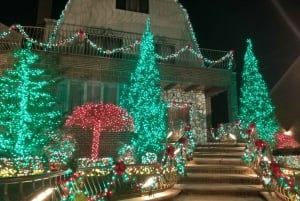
<point>255,102</point>
<point>142,99</point>
<point>28,118</point>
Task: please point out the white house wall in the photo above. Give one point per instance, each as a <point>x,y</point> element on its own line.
<point>166,17</point>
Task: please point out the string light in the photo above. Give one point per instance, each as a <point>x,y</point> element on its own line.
<point>100,117</point>
<point>81,34</point>
<point>28,117</point>
<point>255,102</point>
<point>58,23</point>
<point>142,100</point>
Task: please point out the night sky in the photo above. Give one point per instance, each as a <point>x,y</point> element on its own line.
<point>221,25</point>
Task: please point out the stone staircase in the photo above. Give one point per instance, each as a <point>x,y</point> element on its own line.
<point>218,173</point>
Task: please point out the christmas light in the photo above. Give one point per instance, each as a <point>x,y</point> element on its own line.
<point>100,117</point>
<point>43,195</point>
<point>28,115</point>
<point>58,23</point>
<point>285,141</point>
<point>197,52</point>
<point>255,102</point>
<point>142,100</point>
<point>81,34</point>
<point>149,158</point>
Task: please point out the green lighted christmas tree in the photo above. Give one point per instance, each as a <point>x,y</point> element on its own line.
<point>255,102</point>
<point>28,117</point>
<point>142,100</point>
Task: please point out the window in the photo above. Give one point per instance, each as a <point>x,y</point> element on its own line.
<point>141,6</point>
<point>110,94</point>
<point>62,95</point>
<point>72,93</point>
<point>75,94</point>
<point>93,92</point>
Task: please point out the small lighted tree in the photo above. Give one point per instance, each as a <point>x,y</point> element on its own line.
<point>255,102</point>
<point>28,113</point>
<point>142,100</point>
<point>100,117</point>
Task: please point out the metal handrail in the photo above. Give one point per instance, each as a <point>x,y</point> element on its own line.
<point>14,187</point>
<point>281,191</point>
<point>52,180</point>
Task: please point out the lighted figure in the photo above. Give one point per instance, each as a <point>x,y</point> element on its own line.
<point>100,117</point>
<point>28,114</point>
<point>142,100</point>
<point>255,102</point>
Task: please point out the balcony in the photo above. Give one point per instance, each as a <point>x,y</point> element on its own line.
<point>107,43</point>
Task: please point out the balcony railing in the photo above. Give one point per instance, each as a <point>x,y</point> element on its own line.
<point>70,39</point>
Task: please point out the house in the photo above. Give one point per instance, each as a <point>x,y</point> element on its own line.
<point>94,47</point>
<point>286,100</point>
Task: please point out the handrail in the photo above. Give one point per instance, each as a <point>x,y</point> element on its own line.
<point>258,155</point>
<point>23,188</point>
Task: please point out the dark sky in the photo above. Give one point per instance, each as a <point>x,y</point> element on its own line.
<point>221,25</point>
<point>226,24</point>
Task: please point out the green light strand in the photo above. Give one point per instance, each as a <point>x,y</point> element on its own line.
<point>255,102</point>
<point>58,23</point>
<point>142,99</point>
<point>27,108</point>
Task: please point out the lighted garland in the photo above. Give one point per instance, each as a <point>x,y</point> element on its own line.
<point>83,35</point>
<point>197,52</point>
<point>58,23</point>
<point>126,154</point>
<point>192,33</point>
<point>14,167</point>
<point>227,132</point>
<point>149,158</point>
<point>257,155</point>
<point>111,180</point>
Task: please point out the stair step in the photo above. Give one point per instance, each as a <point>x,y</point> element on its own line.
<point>209,178</point>
<point>221,189</point>
<point>221,144</point>
<point>216,168</point>
<point>218,154</point>
<point>217,198</point>
<point>220,149</point>
<point>217,172</point>
<point>222,161</point>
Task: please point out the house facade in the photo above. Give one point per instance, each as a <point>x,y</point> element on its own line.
<point>286,100</point>
<point>94,47</point>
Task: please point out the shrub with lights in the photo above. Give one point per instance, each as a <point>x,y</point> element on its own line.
<point>29,118</point>
<point>28,114</point>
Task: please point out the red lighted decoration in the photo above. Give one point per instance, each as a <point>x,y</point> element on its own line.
<point>170,151</point>
<point>252,126</point>
<point>100,117</point>
<point>285,141</point>
<point>260,143</point>
<point>120,168</point>
<point>275,168</point>
<point>182,141</point>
